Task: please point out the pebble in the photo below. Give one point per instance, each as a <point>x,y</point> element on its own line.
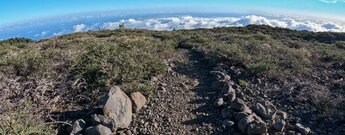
<point>219,102</point>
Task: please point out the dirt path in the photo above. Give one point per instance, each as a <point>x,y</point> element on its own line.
<point>184,102</point>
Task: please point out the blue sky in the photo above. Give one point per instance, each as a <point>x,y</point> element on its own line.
<point>38,19</point>
<point>14,11</point>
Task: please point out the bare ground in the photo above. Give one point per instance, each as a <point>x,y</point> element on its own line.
<point>183,104</point>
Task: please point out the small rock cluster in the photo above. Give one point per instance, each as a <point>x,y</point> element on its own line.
<point>250,114</point>
<point>117,114</point>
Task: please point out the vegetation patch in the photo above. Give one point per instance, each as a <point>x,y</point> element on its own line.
<point>74,69</point>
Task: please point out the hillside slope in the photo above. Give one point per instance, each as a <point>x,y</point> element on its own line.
<point>48,84</point>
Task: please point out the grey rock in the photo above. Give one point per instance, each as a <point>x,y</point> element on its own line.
<point>247,110</point>
<point>129,132</point>
<point>227,88</point>
<point>219,102</point>
<point>240,94</point>
<point>138,101</point>
<point>257,128</point>
<point>219,75</point>
<point>261,110</point>
<point>238,104</point>
<point>78,126</point>
<point>227,123</point>
<point>248,92</point>
<point>304,130</point>
<point>228,92</point>
<point>227,78</point>
<point>162,89</point>
<point>154,79</point>
<point>98,130</point>
<point>266,109</point>
<point>102,120</point>
<point>240,116</point>
<point>231,96</point>
<point>244,123</point>
<point>256,117</point>
<point>291,133</point>
<point>280,125</point>
<point>281,115</point>
<point>227,113</point>
<point>218,85</point>
<point>118,108</point>
<point>271,110</point>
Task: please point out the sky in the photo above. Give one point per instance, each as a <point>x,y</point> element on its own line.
<point>39,19</point>
<point>15,11</point>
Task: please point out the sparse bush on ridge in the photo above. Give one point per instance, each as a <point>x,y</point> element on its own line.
<point>105,64</point>
<point>19,42</point>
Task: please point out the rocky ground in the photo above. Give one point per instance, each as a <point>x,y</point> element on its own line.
<point>197,96</point>
<point>250,80</point>
<point>183,103</point>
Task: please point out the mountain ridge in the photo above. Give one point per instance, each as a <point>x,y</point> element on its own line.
<point>64,78</point>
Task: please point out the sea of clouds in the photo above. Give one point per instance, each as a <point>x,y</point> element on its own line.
<point>190,22</point>
<point>46,30</point>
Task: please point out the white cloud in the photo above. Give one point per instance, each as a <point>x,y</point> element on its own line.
<point>332,1</point>
<point>110,25</point>
<point>190,22</point>
<point>79,27</point>
<point>42,34</point>
<point>60,33</point>
<point>57,34</point>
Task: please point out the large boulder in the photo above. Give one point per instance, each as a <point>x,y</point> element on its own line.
<point>98,130</point>
<point>138,100</point>
<point>118,107</point>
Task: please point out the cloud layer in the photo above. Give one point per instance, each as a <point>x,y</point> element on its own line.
<point>190,22</point>
<point>46,30</point>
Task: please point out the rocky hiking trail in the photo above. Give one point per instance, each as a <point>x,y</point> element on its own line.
<point>183,103</point>
<point>196,96</point>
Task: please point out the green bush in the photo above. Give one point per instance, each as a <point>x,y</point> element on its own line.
<point>19,42</point>
<point>109,63</point>
<point>331,52</point>
<point>243,83</point>
<point>24,122</point>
